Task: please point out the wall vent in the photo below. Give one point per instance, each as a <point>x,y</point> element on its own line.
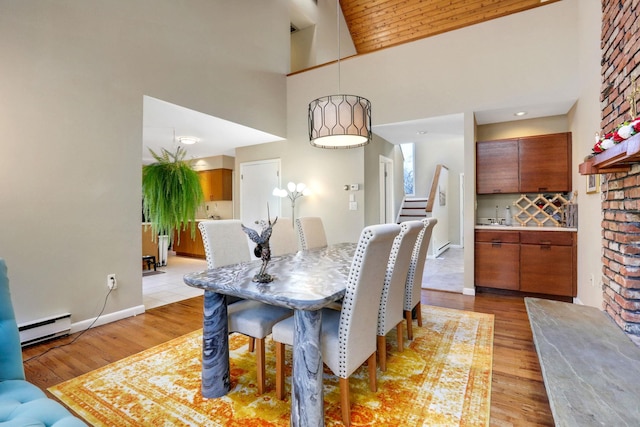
<point>44,329</point>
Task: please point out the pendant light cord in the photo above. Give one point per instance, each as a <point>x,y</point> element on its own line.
<point>338,31</point>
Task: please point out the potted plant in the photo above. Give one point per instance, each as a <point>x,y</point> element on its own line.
<point>171,194</point>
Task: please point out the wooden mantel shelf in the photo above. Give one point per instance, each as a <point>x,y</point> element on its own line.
<point>618,158</point>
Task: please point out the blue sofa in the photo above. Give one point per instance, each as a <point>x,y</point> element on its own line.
<point>21,403</point>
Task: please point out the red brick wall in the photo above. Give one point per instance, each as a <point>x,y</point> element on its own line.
<point>620,191</point>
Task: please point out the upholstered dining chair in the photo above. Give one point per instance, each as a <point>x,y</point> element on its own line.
<point>348,337</point>
<point>225,243</point>
<point>284,238</point>
<point>392,299</point>
<point>311,232</point>
<point>413,284</point>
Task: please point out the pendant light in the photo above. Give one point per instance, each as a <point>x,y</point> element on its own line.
<point>339,121</point>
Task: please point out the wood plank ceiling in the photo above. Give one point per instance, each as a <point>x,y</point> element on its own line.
<point>378,24</point>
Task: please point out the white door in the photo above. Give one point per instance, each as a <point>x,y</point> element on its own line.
<point>386,191</point>
<point>257,181</point>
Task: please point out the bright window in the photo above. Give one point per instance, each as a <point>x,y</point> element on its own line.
<point>408,166</point>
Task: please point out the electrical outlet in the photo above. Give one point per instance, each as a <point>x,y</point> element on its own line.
<point>112,283</point>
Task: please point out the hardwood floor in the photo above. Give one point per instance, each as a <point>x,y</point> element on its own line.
<point>518,396</point>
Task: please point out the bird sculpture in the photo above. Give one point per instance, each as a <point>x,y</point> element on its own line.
<point>262,248</point>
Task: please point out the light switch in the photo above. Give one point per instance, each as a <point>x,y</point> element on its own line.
<point>353,206</point>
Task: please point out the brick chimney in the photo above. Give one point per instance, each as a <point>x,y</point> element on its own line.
<point>620,191</point>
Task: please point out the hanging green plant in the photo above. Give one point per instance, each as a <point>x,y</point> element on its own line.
<point>171,193</point>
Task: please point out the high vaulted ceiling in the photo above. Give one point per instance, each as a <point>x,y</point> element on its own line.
<point>378,24</point>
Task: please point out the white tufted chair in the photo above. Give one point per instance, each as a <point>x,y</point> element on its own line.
<point>349,336</point>
<point>392,300</point>
<point>284,238</point>
<point>413,285</point>
<point>311,232</point>
<point>225,243</point>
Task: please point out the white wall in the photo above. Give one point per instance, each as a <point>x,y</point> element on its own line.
<point>585,121</point>
<point>72,80</point>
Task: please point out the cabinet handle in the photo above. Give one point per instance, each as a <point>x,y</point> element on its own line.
<point>497,190</point>
<point>545,245</point>
<point>496,243</point>
<point>542,188</point>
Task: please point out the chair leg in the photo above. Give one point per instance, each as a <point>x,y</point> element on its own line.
<point>382,352</point>
<point>407,315</point>
<point>345,401</point>
<point>252,344</point>
<point>371,363</point>
<point>419,313</point>
<point>400,334</point>
<point>260,365</point>
<point>280,370</point>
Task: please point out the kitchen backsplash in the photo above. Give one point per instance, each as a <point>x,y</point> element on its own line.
<point>222,209</point>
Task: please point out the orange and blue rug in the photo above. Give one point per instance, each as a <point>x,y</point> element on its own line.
<point>442,378</point>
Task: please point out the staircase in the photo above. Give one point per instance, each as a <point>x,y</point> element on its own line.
<point>412,209</point>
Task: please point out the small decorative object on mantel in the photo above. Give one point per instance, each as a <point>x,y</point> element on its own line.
<point>262,249</point>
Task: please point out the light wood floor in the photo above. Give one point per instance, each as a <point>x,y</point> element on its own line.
<point>518,397</point>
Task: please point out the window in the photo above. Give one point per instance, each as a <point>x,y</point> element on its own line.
<point>408,150</point>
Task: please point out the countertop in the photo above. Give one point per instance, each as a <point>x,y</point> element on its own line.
<point>522,228</point>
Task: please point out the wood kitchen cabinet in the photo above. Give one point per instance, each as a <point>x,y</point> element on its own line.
<point>545,163</point>
<point>188,246</point>
<point>497,259</point>
<point>216,184</point>
<point>540,262</point>
<point>497,166</point>
<point>532,164</point>
<point>548,262</point>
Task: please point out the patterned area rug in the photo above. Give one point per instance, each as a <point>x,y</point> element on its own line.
<point>442,378</point>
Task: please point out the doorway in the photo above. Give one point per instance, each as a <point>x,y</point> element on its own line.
<point>257,181</point>
<point>386,191</point>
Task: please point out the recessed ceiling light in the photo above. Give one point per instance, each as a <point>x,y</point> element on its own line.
<point>188,140</point>
<point>422,132</point>
<point>520,113</point>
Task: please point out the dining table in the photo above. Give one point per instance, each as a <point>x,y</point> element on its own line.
<point>306,281</point>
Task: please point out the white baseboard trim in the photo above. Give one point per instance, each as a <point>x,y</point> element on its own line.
<point>469,291</point>
<point>107,318</point>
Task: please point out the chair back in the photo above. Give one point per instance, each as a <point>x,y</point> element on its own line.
<point>358,318</point>
<point>11,367</point>
<point>413,284</point>
<point>311,232</point>
<point>284,239</point>
<point>224,242</point>
<point>392,300</point>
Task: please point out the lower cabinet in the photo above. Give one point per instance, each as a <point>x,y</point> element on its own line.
<point>497,259</point>
<point>541,262</point>
<point>188,246</point>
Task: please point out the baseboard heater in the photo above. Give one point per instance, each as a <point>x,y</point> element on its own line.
<point>44,329</point>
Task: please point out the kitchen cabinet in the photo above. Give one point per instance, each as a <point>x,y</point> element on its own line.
<point>216,184</point>
<point>545,163</point>
<point>532,164</point>
<point>497,259</point>
<point>497,166</point>
<point>540,262</point>
<point>188,246</point>
<point>548,262</point>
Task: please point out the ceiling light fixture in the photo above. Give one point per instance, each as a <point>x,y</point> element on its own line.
<point>188,140</point>
<point>339,121</point>
<point>520,113</point>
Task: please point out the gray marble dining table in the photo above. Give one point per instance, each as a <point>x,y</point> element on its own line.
<point>306,282</point>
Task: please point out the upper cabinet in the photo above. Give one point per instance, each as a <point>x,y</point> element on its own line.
<point>532,164</point>
<point>217,184</point>
<point>497,166</point>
